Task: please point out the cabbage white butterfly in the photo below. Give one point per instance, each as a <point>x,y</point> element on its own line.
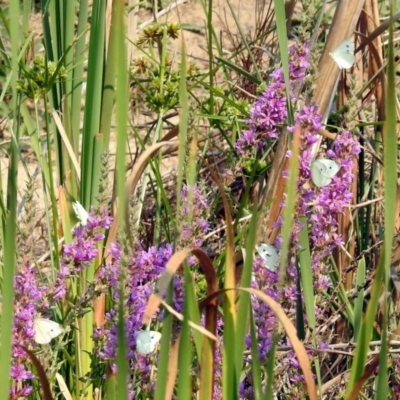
<point>146,341</point>
<point>344,54</point>
<point>45,330</point>
<point>270,256</point>
<point>80,212</point>
<point>323,170</point>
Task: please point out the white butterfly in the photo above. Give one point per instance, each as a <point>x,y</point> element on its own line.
<point>270,256</point>
<point>80,212</point>
<point>323,170</point>
<point>147,341</point>
<point>344,54</point>
<point>45,330</point>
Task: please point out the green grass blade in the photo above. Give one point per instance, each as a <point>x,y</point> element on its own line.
<point>390,152</point>
<point>244,299</point>
<point>94,89</point>
<point>10,227</point>
<point>162,374</point>
<point>359,302</point>
<point>306,275</point>
<point>122,362</point>
<point>183,129</point>
<point>255,360</point>
<point>283,46</point>
<point>268,394</point>
<point>193,310</point>
<point>185,355</point>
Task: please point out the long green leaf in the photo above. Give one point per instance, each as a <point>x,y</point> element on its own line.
<point>10,227</point>
<point>390,152</point>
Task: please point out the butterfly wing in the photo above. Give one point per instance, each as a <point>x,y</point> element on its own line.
<point>80,212</point>
<point>323,170</point>
<point>331,167</point>
<point>344,54</point>
<point>45,330</point>
<point>146,341</point>
<point>269,254</point>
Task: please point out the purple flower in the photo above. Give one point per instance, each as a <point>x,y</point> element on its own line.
<point>142,272</point>
<point>270,109</point>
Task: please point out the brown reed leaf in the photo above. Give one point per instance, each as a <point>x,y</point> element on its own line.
<point>172,368</point>
<point>342,27</point>
<point>368,372</point>
<point>174,263</point>
<point>275,190</point>
<point>44,382</point>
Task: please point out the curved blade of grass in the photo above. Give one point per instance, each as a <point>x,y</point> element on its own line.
<point>41,374</point>
<point>179,317</point>
<point>172,266</point>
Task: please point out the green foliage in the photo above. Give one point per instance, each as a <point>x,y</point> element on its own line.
<point>38,78</point>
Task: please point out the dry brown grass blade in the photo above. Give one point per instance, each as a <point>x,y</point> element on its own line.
<point>298,346</point>
<point>376,59</point>
<point>67,144</point>
<point>342,27</point>
<point>171,268</point>
<point>180,317</point>
<point>345,224</point>
<point>171,134</point>
<point>373,9</point>
<point>63,387</point>
<point>172,369</point>
<point>47,395</point>
<point>275,190</point>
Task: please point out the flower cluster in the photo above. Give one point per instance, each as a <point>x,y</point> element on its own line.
<point>270,109</point>
<point>29,296</point>
<point>320,205</point>
<point>33,298</point>
<point>141,274</point>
